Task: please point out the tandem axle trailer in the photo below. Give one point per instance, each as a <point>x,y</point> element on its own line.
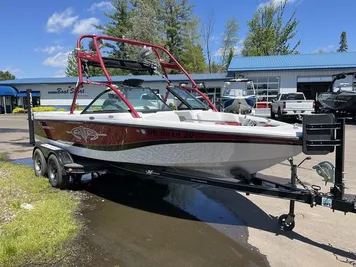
<point>322,134</point>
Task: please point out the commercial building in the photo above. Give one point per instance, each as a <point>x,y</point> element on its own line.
<point>307,73</point>
<point>58,92</point>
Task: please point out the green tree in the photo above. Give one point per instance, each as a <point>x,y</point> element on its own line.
<point>5,75</point>
<point>119,21</point>
<point>72,67</point>
<point>118,25</point>
<point>269,34</point>
<point>192,57</point>
<point>164,22</point>
<point>144,22</point>
<point>176,16</point>
<point>217,68</point>
<point>343,43</point>
<point>229,42</point>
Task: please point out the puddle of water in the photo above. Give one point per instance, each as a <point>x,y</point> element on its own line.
<point>193,201</point>
<point>24,161</point>
<point>134,223</point>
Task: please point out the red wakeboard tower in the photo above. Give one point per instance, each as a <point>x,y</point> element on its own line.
<point>93,57</point>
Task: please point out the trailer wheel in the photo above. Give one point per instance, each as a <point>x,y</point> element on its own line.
<point>55,174</point>
<point>39,163</point>
<point>284,225</point>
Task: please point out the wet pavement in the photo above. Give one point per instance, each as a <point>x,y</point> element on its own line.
<point>137,222</point>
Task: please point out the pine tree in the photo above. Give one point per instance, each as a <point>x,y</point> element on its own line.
<point>343,43</point>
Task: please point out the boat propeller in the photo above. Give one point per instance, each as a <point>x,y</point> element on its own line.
<point>326,170</point>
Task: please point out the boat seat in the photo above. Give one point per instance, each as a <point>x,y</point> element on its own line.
<point>214,116</point>
<point>186,115</point>
<point>163,116</point>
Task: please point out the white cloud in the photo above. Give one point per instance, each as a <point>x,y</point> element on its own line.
<point>50,49</point>
<point>85,26</point>
<point>103,6</point>
<point>59,21</point>
<point>11,69</point>
<point>275,2</point>
<point>58,60</point>
<point>325,49</point>
<point>59,73</point>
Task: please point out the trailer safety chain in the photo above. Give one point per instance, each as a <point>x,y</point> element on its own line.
<point>301,183</point>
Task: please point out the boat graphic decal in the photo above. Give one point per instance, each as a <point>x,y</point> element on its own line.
<point>83,133</point>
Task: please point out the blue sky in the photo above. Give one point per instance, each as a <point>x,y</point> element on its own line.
<point>38,34</point>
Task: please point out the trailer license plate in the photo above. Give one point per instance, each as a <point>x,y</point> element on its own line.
<point>326,202</point>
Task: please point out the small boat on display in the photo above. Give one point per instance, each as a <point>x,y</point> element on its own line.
<point>130,123</point>
<point>240,99</point>
<point>341,99</point>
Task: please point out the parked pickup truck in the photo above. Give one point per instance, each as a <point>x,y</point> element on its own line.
<point>291,105</point>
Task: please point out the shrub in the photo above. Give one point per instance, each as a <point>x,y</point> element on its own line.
<point>76,107</point>
<point>43,109</point>
<point>61,109</point>
<point>18,110</point>
<point>172,106</point>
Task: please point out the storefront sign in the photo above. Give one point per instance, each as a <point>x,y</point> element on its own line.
<point>60,91</point>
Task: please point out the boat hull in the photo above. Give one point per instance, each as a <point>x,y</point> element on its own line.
<point>217,154</point>
<point>344,102</point>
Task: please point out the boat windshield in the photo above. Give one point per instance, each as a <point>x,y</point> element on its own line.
<point>143,99</point>
<point>188,99</point>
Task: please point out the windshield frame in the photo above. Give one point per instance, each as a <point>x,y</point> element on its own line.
<point>187,90</point>
<point>85,111</point>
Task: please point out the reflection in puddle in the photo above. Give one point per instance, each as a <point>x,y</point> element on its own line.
<point>192,200</point>
<point>24,161</point>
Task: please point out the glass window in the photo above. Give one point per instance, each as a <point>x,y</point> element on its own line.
<point>267,88</point>
<point>273,79</point>
<point>292,96</point>
<point>192,99</point>
<point>262,79</point>
<point>142,99</point>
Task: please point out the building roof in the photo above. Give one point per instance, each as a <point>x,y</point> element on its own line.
<point>149,78</point>
<point>7,91</point>
<point>294,62</point>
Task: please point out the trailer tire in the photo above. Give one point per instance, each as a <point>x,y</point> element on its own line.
<point>55,174</point>
<point>39,163</point>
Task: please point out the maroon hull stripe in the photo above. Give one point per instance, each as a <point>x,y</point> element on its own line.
<point>120,137</point>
